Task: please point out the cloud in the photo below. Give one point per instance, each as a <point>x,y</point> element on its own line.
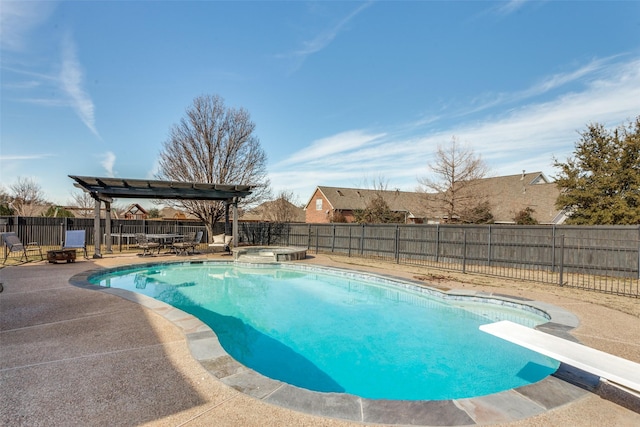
<point>527,137</point>
<point>71,82</point>
<point>331,146</point>
<point>108,162</point>
<point>511,6</point>
<point>24,157</point>
<point>18,18</point>
<point>323,39</point>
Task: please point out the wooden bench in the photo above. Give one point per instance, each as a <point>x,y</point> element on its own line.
<point>616,370</point>
<point>68,255</point>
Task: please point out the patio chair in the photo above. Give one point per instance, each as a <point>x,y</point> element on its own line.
<point>190,242</point>
<point>13,244</point>
<point>75,239</point>
<point>146,245</point>
<point>221,241</point>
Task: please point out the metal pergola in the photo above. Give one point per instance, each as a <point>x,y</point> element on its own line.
<point>104,190</point>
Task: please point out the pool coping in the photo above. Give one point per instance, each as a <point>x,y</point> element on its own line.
<point>559,389</point>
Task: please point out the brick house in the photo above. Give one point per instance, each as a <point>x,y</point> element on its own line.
<point>506,195</point>
<point>329,203</point>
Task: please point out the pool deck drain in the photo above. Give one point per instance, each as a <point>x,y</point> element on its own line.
<point>506,406</point>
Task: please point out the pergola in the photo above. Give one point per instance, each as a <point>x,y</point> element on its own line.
<point>104,190</point>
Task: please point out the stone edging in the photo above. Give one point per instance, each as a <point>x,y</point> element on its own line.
<point>510,405</point>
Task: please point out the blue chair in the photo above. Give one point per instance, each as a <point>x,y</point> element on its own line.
<point>75,239</point>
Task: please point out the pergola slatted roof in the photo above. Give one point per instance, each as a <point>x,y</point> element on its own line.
<point>105,189</point>
<point>153,189</point>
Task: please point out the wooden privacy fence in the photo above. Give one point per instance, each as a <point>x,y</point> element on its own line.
<point>49,232</point>
<point>606,259</point>
<point>602,258</point>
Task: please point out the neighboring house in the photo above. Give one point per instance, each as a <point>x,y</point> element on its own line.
<point>506,195</point>
<point>327,204</point>
<point>169,213</point>
<point>134,211</point>
<point>274,211</point>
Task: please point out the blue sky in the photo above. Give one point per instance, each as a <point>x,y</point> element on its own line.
<point>342,93</point>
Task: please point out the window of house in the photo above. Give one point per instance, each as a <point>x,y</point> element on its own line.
<point>318,204</point>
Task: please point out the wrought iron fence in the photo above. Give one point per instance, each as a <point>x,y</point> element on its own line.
<point>49,232</point>
<point>605,259</point>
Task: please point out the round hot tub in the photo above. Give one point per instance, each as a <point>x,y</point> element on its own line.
<point>269,253</point>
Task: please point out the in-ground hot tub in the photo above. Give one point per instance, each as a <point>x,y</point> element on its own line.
<point>269,253</point>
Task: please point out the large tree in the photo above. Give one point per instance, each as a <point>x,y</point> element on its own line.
<point>214,144</point>
<point>27,195</point>
<point>456,170</point>
<point>84,202</point>
<point>284,208</point>
<point>600,183</point>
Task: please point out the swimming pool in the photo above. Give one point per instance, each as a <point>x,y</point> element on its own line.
<point>343,332</point>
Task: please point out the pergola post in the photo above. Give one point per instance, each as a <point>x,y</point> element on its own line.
<point>96,229</point>
<point>235,222</point>
<point>107,227</point>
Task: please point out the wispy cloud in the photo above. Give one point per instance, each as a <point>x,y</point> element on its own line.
<point>511,6</point>
<point>333,145</point>
<point>71,81</point>
<point>528,137</point>
<point>24,157</point>
<point>108,162</point>
<point>17,18</point>
<point>17,22</point>
<point>322,39</point>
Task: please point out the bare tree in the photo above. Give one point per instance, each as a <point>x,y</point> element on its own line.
<point>5,200</point>
<point>214,144</point>
<point>283,209</point>
<point>457,169</point>
<point>84,202</point>
<point>27,196</point>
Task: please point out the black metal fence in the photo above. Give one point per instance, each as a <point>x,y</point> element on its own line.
<point>49,232</point>
<point>602,258</point>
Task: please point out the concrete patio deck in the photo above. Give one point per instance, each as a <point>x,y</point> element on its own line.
<point>74,356</point>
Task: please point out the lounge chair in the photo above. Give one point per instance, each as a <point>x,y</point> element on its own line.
<point>75,239</point>
<point>222,241</point>
<point>190,242</point>
<point>13,244</point>
<point>146,245</point>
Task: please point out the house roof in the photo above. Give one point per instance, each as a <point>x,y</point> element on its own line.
<point>507,195</point>
<point>511,194</point>
<point>341,198</point>
<point>260,212</point>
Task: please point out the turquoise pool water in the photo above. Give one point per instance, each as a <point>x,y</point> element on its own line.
<point>345,333</point>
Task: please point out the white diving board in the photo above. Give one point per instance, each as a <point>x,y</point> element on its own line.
<point>621,372</point>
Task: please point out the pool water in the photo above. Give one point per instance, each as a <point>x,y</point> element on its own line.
<point>341,333</point>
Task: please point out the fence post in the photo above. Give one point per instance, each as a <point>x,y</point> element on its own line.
<point>397,245</point>
<point>362,240</point>
<point>63,227</point>
<point>553,249</point>
<point>333,238</point>
<point>317,239</point>
<point>489,248</point>
<point>561,277</point>
<point>437,242</point>
<point>464,251</point>
<point>120,237</point>
<point>309,237</point>
<point>349,252</point>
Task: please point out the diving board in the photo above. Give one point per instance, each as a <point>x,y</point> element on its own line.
<point>612,368</point>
